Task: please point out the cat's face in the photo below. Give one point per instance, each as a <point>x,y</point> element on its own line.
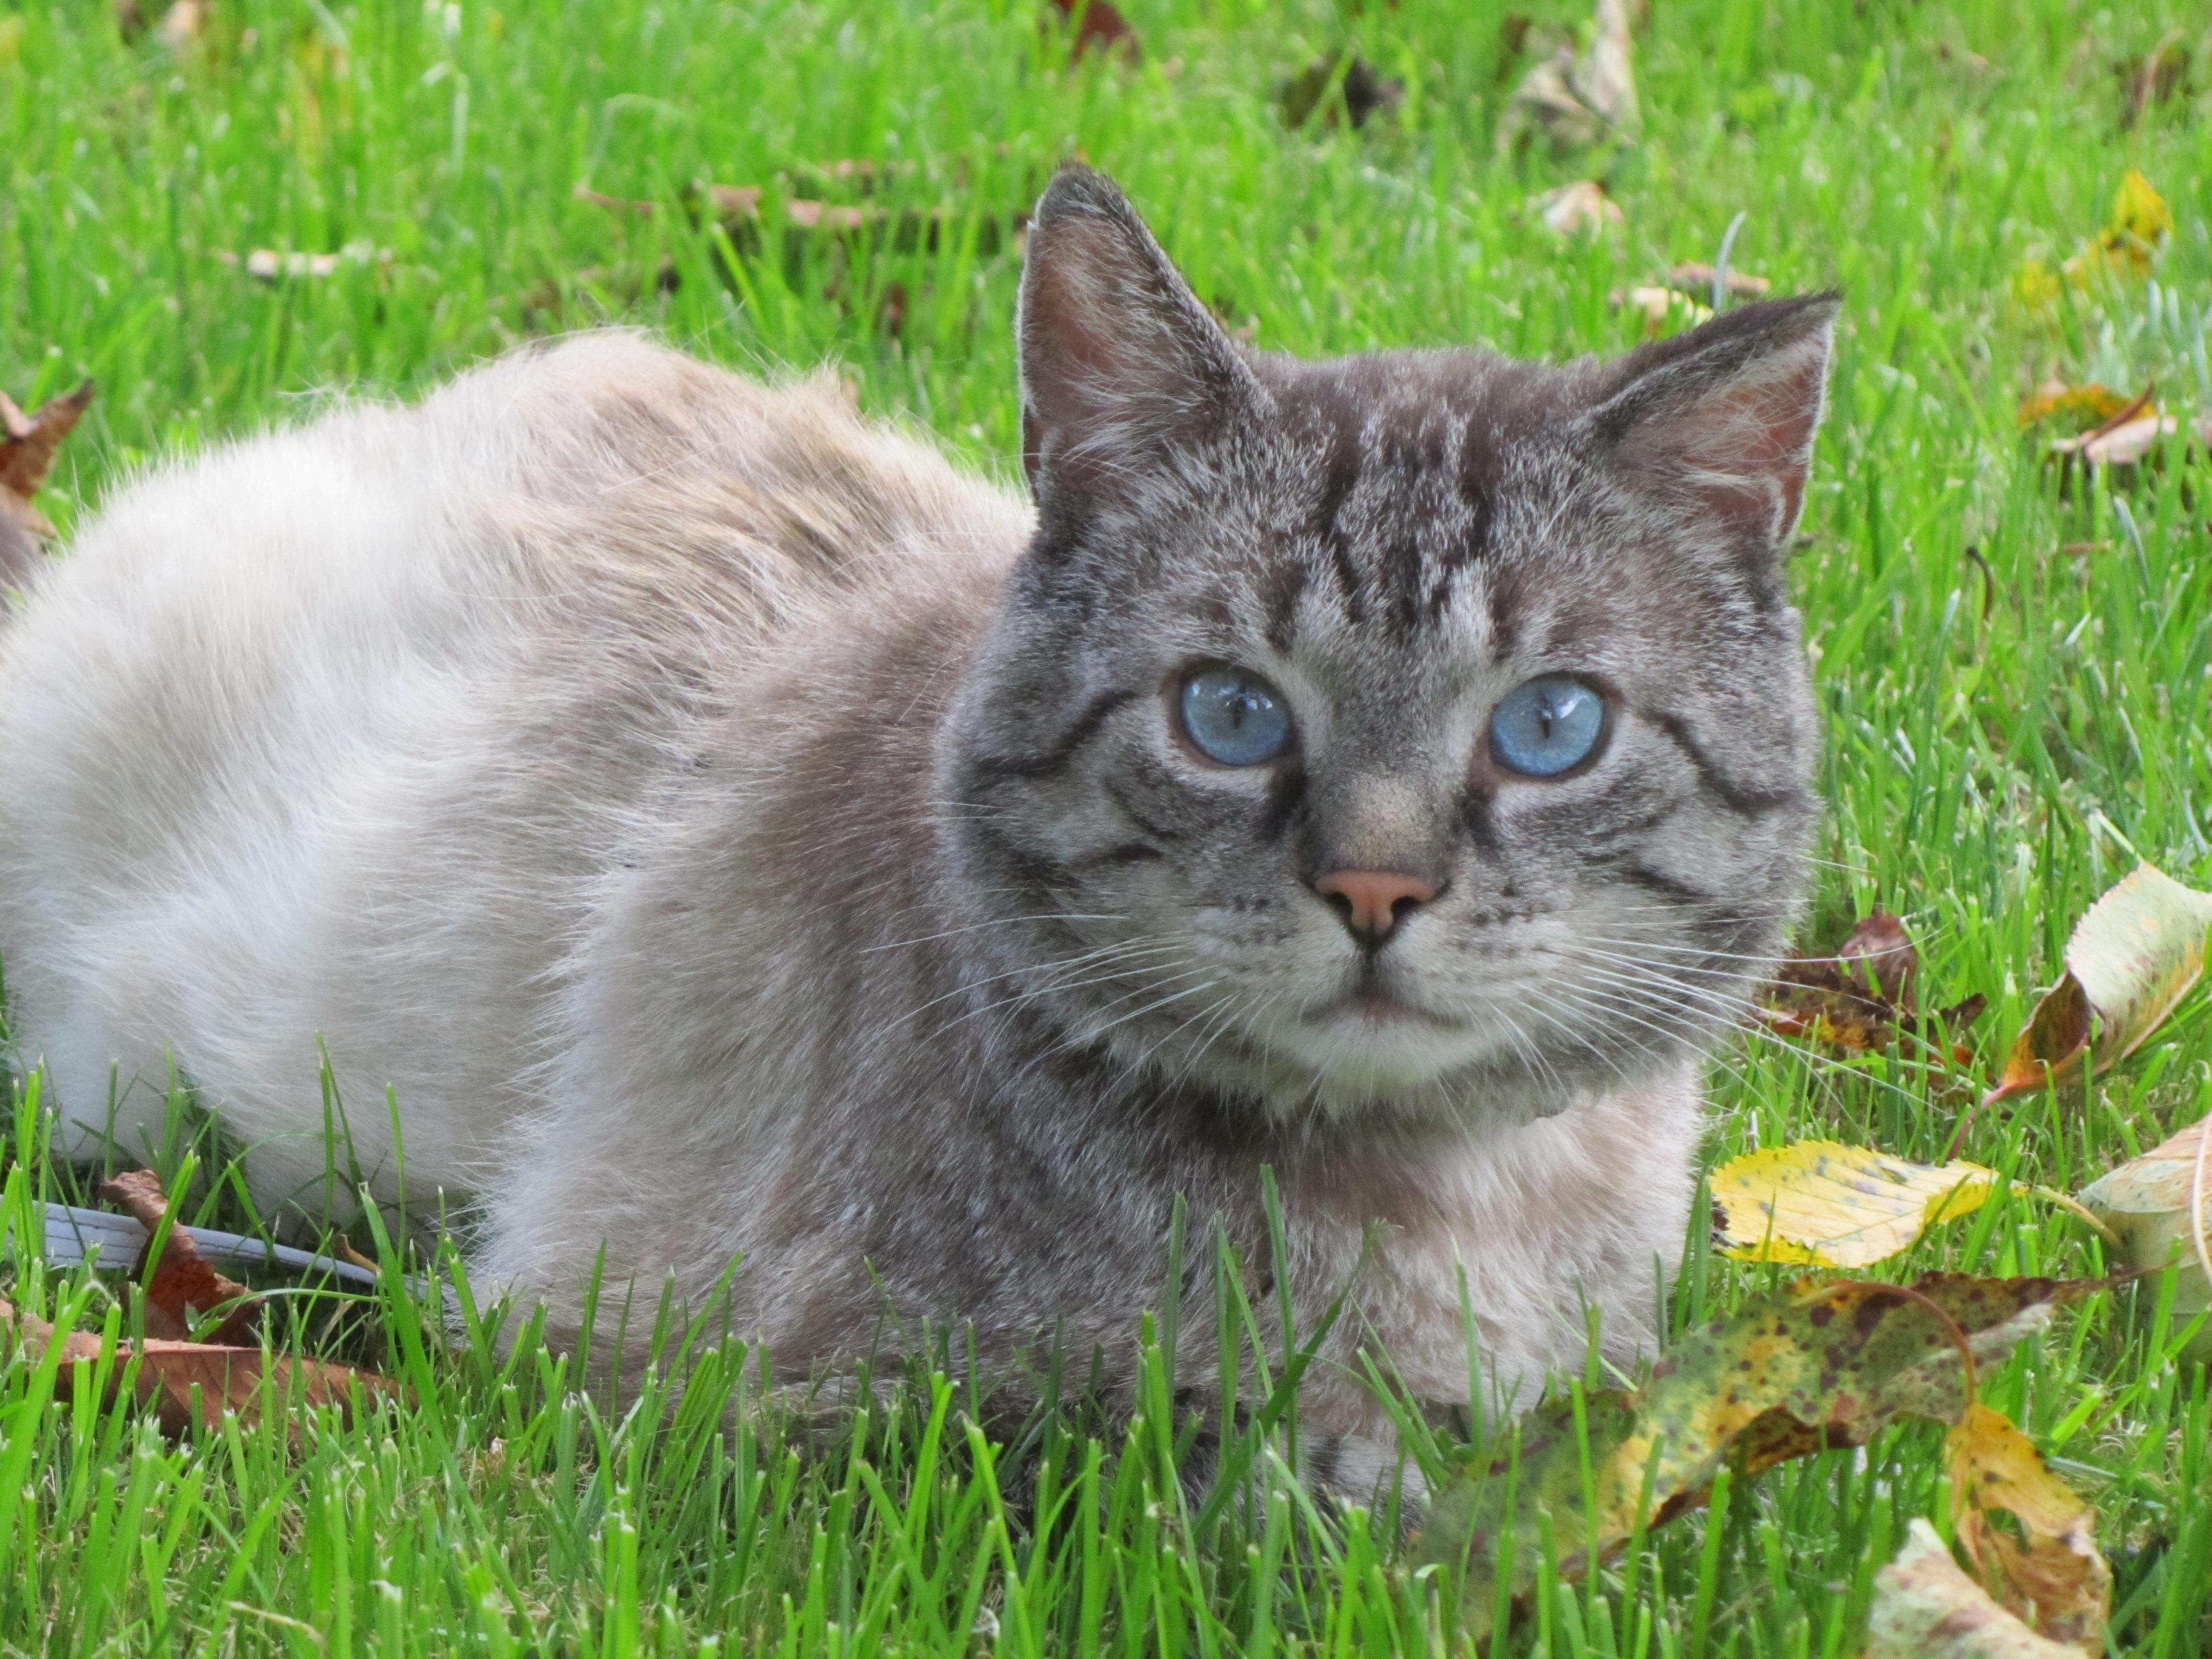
<point>1422,730</point>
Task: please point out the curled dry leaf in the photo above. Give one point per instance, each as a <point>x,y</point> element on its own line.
<point>1658,304</point>
<point>1831,1205</point>
<point>191,1384</point>
<point>1696,281</point>
<point>2152,79</point>
<point>1573,209</point>
<point>2161,1207</point>
<point>181,1283</point>
<point>28,444</point>
<point>1925,1608</point>
<point>1573,99</point>
<point>1861,997</point>
<point>1363,91</point>
<point>1812,1366</point>
<point>2131,958</point>
<point>2052,1576</point>
<point>1099,27</point>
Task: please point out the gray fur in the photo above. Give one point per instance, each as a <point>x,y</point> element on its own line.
<point>732,831</point>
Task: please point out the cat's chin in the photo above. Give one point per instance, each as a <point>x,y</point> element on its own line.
<point>1376,1061</point>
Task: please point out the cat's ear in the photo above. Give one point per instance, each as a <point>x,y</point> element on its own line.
<point>1120,363</point>
<point>1721,419</point>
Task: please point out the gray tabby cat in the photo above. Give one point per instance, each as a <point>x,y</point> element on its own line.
<point>728,828</point>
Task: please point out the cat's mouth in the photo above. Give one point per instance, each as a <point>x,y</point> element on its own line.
<point>1375,1007</point>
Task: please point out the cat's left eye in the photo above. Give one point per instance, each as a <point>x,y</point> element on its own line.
<point>1235,719</point>
<point>1546,726</point>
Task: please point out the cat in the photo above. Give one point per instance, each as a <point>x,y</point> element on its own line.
<point>728,829</point>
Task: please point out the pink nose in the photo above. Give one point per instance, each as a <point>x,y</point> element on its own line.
<point>1371,898</point>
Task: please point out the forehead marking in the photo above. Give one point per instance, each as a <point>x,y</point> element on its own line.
<point>1337,484</point>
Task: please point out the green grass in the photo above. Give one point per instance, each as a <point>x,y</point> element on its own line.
<point>2008,729</point>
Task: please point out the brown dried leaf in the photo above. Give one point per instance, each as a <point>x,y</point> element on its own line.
<point>182,1283</point>
<point>2151,79</point>
<point>1099,27</point>
<point>1574,210</point>
<point>1696,280</point>
<point>1860,996</point>
<point>184,23</point>
<point>1363,91</point>
<point>27,446</point>
<point>1576,98</point>
<point>191,1384</point>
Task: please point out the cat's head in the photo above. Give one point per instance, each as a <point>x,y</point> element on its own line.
<point>1417,732</point>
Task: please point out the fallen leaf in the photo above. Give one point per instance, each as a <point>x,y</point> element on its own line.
<point>272,265</point>
<point>617,203</point>
<point>1814,1365</point>
<point>1572,210</point>
<point>2129,442</point>
<point>27,446</point>
<point>183,24</point>
<point>1099,27</point>
<point>1827,1205</point>
<point>2151,79</point>
<point>1576,98</point>
<point>2053,1578</point>
<point>1860,996</point>
<point>191,1384</point>
<point>2090,405</point>
<point>1925,1608</point>
<point>2137,227</point>
<point>181,1283</point>
<point>2131,958</point>
<point>1361,87</point>
<point>2161,1207</point>
<point>1656,306</point>
<point>1696,280</point>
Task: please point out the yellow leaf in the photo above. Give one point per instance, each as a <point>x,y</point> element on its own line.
<point>2161,1205</point>
<point>2140,223</point>
<point>2053,1576</point>
<point>1833,1206</point>
<point>2035,289</point>
<point>2139,212</point>
<point>2088,405</point>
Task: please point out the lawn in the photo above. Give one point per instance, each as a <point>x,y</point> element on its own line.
<point>2016,684</point>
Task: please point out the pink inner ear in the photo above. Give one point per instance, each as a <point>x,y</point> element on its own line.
<point>1747,448</point>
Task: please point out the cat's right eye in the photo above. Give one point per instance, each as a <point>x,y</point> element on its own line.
<point>1235,719</point>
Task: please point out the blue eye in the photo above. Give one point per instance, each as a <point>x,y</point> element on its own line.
<point>1236,719</point>
<point>1547,726</point>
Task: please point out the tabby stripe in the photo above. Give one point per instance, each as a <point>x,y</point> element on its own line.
<point>1284,796</point>
<point>1111,788</point>
<point>1053,759</point>
<point>1642,875</point>
<point>1751,803</point>
<point>1034,870</point>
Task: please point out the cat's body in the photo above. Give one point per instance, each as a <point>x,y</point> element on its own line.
<point>728,828</point>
